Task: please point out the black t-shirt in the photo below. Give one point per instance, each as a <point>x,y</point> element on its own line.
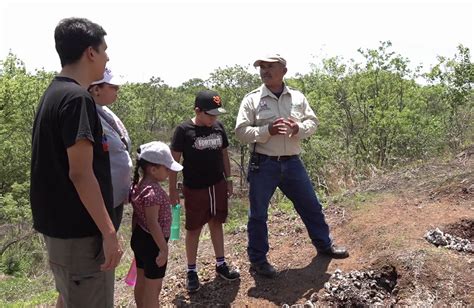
<point>202,153</point>
<point>66,114</point>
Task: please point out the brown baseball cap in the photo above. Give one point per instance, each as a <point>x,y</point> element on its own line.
<point>270,58</point>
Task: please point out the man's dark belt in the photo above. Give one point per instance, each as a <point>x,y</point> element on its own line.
<point>278,158</point>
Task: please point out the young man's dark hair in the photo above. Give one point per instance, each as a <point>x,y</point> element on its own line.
<point>74,35</point>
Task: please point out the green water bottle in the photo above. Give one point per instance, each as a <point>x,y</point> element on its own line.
<point>176,219</point>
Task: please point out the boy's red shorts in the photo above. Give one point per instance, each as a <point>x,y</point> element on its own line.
<point>204,203</point>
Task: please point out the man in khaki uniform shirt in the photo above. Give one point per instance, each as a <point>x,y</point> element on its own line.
<point>273,119</point>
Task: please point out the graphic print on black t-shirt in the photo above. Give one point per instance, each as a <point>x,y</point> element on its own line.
<point>213,142</point>
<point>202,153</point>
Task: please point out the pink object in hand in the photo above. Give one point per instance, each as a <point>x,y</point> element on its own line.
<point>131,277</point>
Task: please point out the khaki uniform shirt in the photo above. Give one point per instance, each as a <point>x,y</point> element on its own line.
<point>261,107</point>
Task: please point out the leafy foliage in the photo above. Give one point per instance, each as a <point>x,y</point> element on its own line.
<point>453,79</point>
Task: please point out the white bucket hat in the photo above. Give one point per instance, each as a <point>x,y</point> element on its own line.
<point>159,153</point>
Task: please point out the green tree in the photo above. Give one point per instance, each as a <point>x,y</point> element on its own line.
<point>20,93</point>
<point>453,80</point>
<point>151,111</point>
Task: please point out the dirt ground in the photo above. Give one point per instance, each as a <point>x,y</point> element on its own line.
<point>382,223</point>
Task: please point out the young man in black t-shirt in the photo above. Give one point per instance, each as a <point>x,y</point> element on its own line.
<point>71,188</point>
<point>202,141</point>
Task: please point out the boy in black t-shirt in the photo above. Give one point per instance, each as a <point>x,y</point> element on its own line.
<point>71,187</point>
<point>202,141</point>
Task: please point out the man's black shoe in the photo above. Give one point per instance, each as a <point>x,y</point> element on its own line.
<point>226,273</point>
<point>264,269</point>
<point>193,282</point>
<point>335,252</point>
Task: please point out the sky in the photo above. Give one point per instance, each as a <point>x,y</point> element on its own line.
<point>179,40</point>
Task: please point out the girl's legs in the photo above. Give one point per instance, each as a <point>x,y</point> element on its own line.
<point>152,292</point>
<point>139,290</point>
<point>217,236</point>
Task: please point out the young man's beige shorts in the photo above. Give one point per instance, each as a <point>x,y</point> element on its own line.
<point>76,267</point>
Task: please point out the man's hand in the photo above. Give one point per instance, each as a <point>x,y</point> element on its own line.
<point>293,127</point>
<point>112,252</point>
<point>277,127</point>
<point>162,258</point>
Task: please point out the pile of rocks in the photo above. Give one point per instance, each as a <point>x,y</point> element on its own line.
<point>358,288</point>
<point>439,238</point>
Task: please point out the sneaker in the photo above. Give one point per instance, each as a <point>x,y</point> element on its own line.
<point>193,282</point>
<point>264,269</point>
<point>335,252</point>
<point>226,273</point>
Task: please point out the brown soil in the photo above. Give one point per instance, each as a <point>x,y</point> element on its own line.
<point>382,223</point>
<point>464,229</point>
